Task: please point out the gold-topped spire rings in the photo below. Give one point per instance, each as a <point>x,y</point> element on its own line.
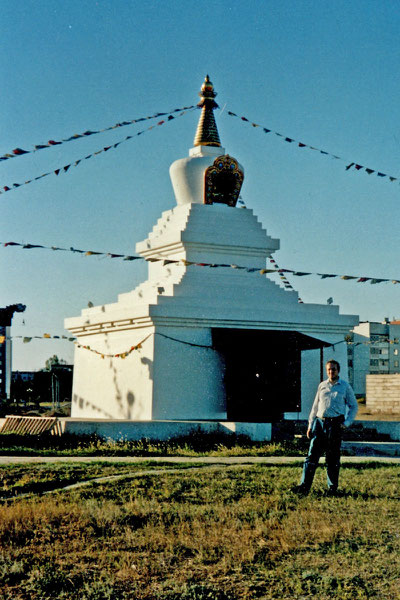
<point>207,132</point>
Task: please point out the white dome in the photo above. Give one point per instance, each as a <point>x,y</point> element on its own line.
<point>188,174</point>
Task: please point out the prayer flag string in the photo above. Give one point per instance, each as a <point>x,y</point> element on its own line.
<point>276,269</point>
<point>283,278</point>
<point>349,164</point>
<point>139,345</point>
<point>20,151</point>
<point>65,168</point>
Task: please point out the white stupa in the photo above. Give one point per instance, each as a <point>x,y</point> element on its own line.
<point>219,341</point>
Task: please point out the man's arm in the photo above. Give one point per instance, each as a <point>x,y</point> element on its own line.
<point>352,406</point>
<point>313,413</point>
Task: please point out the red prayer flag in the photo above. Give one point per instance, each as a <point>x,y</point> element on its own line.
<point>19,151</point>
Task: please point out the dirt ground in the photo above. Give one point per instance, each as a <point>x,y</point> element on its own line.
<point>365,414</point>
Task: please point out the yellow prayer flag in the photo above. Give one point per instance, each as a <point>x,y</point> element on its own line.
<point>2,339</point>
<point>46,335</point>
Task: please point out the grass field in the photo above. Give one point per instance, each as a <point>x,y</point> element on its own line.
<point>215,533</point>
<point>194,445</point>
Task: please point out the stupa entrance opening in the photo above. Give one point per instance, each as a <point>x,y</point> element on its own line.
<point>262,371</point>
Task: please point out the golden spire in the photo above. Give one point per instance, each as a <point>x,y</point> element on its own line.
<point>207,132</point>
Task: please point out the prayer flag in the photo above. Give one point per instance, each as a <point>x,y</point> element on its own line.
<point>73,137</point>
<point>19,151</point>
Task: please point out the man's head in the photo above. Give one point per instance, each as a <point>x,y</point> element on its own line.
<point>332,370</point>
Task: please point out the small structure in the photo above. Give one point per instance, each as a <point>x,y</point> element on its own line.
<point>6,316</point>
<point>208,337</point>
<point>383,394</point>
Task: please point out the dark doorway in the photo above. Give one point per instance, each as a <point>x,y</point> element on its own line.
<point>262,371</point>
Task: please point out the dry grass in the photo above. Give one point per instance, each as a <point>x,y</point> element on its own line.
<point>218,533</point>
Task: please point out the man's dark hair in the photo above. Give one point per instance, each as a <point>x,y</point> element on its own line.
<point>334,362</point>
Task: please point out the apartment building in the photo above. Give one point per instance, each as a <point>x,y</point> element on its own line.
<point>374,349</point>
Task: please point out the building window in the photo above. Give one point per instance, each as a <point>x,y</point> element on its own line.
<point>374,362</point>
<point>396,364</point>
<point>396,351</point>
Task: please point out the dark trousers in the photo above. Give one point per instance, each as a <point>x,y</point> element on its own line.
<point>326,437</point>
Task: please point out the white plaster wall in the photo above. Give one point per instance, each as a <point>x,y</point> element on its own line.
<point>188,380</point>
<point>114,388</point>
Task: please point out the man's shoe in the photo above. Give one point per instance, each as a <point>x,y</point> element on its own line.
<point>332,491</point>
<point>301,490</point>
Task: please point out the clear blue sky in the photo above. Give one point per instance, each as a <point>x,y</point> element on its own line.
<point>325,73</point>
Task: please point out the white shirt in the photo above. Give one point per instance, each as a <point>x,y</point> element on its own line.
<point>333,400</point>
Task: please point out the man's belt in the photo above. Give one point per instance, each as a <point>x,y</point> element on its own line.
<point>338,418</point>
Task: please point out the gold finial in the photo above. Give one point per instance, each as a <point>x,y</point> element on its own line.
<point>207,132</point>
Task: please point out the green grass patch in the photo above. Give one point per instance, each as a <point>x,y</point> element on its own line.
<point>197,444</point>
<point>18,480</point>
<point>220,533</point>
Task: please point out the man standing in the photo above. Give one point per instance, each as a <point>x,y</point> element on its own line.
<point>334,409</point>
